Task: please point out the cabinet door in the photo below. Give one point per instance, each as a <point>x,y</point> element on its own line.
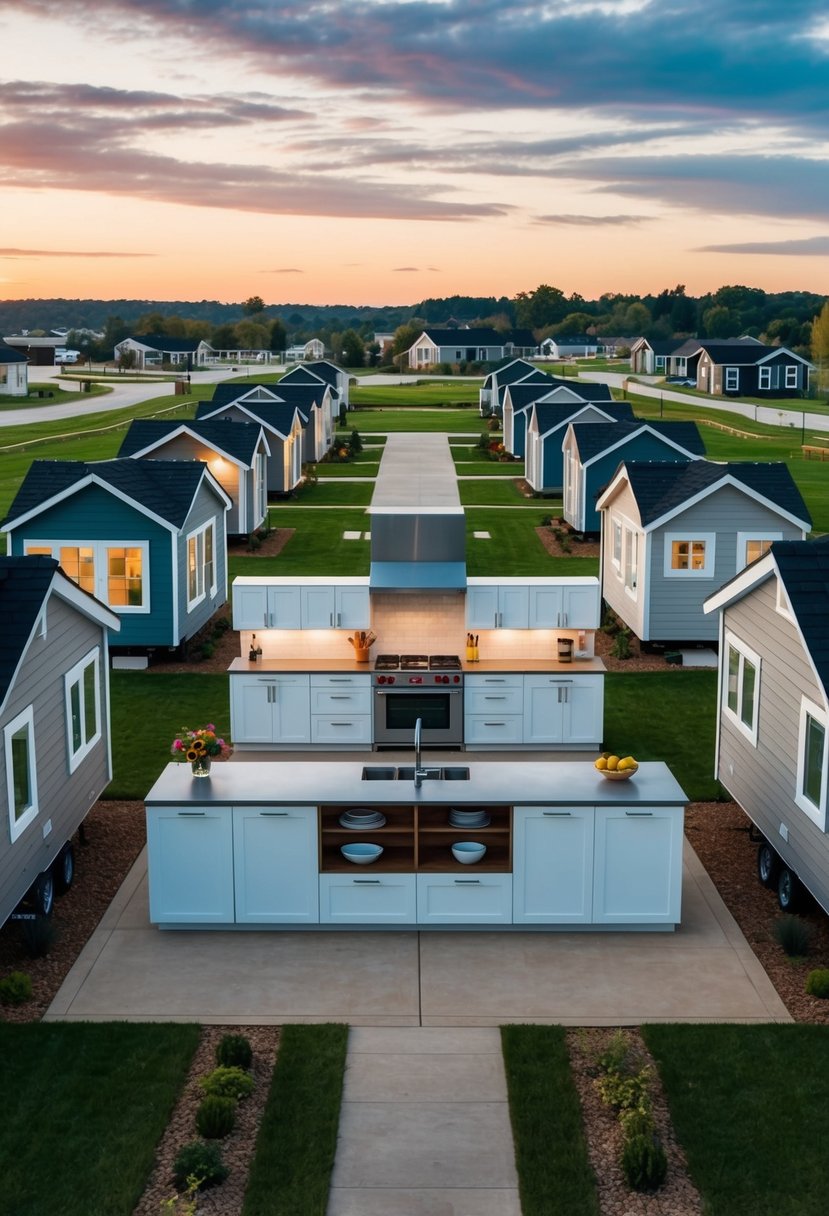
<point>292,709</point>
<point>552,862</point>
<point>482,607</point>
<point>318,607</point>
<point>544,705</point>
<point>513,607</point>
<point>545,607</point>
<point>362,900</point>
<point>284,608</point>
<point>584,710</point>
<point>275,865</point>
<point>637,869</point>
<point>190,864</point>
<point>352,608</point>
<point>250,606</point>
<point>580,606</point>
<point>251,709</point>
<point>455,899</point>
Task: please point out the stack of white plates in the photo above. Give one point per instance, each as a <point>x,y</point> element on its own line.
<point>468,819</point>
<point>360,819</point>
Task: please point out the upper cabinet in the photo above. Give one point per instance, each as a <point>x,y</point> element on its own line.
<point>309,604</point>
<point>534,604</point>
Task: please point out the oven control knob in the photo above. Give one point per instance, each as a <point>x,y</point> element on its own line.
<point>445,679</point>
<point>457,679</point>
<point>381,679</point>
<point>389,679</point>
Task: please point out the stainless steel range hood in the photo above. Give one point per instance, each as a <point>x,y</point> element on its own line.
<point>418,529</point>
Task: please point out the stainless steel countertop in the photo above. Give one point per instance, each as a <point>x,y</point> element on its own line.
<point>518,782</point>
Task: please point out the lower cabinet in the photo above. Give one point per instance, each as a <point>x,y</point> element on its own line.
<point>270,709</point>
<point>275,865</point>
<point>453,899</point>
<point>387,899</point>
<point>190,853</point>
<point>637,866</point>
<point>553,865</point>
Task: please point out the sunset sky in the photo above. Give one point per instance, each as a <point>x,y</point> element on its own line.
<point>385,151</point>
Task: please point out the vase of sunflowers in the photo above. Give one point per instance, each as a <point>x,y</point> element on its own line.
<point>200,747</point>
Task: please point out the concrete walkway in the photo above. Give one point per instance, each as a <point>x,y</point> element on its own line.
<point>424,1126</point>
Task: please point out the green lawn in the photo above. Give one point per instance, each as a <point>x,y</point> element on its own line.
<point>317,546</point>
<point>500,492</point>
<point>388,419</point>
<point>84,1107</point>
<point>437,393</point>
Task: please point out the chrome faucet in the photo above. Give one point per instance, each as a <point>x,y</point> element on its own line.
<point>419,772</point>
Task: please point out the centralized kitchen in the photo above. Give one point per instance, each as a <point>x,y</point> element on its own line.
<point>424,666</point>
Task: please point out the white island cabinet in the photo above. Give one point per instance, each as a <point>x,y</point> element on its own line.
<point>275,865</point>
<point>191,876</point>
<point>637,865</point>
<point>270,708</point>
<point>368,899</point>
<point>553,864</point>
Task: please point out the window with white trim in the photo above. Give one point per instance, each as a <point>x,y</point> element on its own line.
<point>616,554</point>
<point>201,565</point>
<point>782,602</point>
<point>751,545</point>
<point>791,375</point>
<point>82,684</point>
<point>689,554</point>
<point>115,572</point>
<point>732,379</point>
<point>631,561</point>
<point>21,776</point>
<point>741,687</point>
<point>765,378</point>
<point>810,794</point>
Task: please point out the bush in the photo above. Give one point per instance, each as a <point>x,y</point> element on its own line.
<point>38,936</point>
<point>200,1161</point>
<point>215,1117</point>
<point>254,542</point>
<point>223,622</point>
<point>234,1051</point>
<point>16,988</point>
<point>207,650</point>
<point>644,1163</point>
<point>794,934</point>
<point>621,645</point>
<point>817,982</point>
<point>227,1083</point>
<point>624,1091</point>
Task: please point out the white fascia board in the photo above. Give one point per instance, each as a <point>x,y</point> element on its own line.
<point>610,489</point>
<point>743,582</point>
<point>729,480</point>
<point>83,484</point>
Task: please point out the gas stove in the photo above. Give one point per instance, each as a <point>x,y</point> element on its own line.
<point>417,669</point>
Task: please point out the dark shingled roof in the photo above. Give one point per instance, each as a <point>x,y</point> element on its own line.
<point>317,367</point>
<point>276,415</point>
<point>480,337</point>
<point>556,413</point>
<point>524,393</point>
<point>660,487</point>
<point>9,355</point>
<point>512,372</point>
<point>24,584</point>
<point>164,342</point>
<point>804,572</point>
<point>592,439</point>
<point>236,439</point>
<point>662,346</point>
<point>224,393</point>
<point>165,487</point>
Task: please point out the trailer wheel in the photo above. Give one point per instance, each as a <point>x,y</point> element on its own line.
<point>64,869</point>
<point>43,893</point>
<point>768,865</point>
<point>789,890</point>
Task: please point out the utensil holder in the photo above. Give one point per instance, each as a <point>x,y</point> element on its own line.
<point>361,654</point>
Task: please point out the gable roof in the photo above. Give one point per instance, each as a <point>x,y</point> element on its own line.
<point>25,584</point>
<point>224,393</point>
<point>659,346</point>
<point>512,372</point>
<point>236,440</point>
<point>571,340</point>
<point>478,337</point>
<point>275,416</point>
<point>552,414</point>
<point>660,488</point>
<point>9,355</point>
<point>164,342</point>
<point>525,392</point>
<point>692,345</point>
<point>164,489</point>
<point>592,441</point>
<point>325,369</point>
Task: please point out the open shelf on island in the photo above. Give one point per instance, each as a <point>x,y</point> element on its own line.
<point>417,840</point>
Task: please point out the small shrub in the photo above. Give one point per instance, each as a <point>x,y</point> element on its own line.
<point>201,1162</point>
<point>625,1091</point>
<point>794,934</point>
<point>16,988</point>
<point>223,623</point>
<point>614,1057</point>
<point>621,645</point>
<point>644,1163</point>
<point>215,1117</point>
<point>817,982</point>
<point>207,650</point>
<point>355,443</point>
<point>38,936</point>
<point>234,1051</point>
<point>254,542</point>
<point>228,1083</point>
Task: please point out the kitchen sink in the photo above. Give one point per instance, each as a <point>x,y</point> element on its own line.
<point>406,772</point>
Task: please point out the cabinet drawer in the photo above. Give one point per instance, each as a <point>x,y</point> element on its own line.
<point>494,728</point>
<point>345,681</point>
<point>494,699</point>
<point>464,899</point>
<point>367,899</point>
<point>337,701</point>
<point>343,727</point>
<point>510,679</point>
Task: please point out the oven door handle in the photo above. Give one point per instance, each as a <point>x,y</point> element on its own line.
<point>442,692</point>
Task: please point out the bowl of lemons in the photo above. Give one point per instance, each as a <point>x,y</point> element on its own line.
<point>616,768</point>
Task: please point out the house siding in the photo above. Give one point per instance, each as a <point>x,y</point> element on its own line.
<point>205,508</point>
<point>63,797</point>
<point>675,602</point>
<point>551,470</point>
<point>763,779</point>
<point>631,611</point>
<point>597,475</point>
<point>93,514</point>
<point>185,447</point>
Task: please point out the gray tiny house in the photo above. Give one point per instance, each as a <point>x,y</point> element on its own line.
<point>772,747</point>
<point>54,718</point>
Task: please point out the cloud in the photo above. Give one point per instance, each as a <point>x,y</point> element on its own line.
<point>812,246</point>
<point>593,221</point>
<point>284,270</point>
<point>68,253</point>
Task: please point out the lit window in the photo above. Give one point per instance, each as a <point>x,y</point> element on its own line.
<point>812,762</point>
<point>125,587</point>
<point>83,707</point>
<point>114,573</point>
<point>689,555</point>
<point>78,563</point>
<point>21,778</point>
<point>742,687</point>
<point>752,545</point>
<point>201,565</point>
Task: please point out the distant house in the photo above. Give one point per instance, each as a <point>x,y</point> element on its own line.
<point>650,356</point>
<point>517,401</point>
<point>236,455</point>
<point>54,718</point>
<point>513,372</point>
<point>14,372</point>
<point>611,347</point>
<point>592,454</point>
<point>145,537</point>
<point>337,379</point>
<point>312,399</point>
<point>569,346</point>
<point>671,536</point>
<point>284,429</point>
<point>151,350</point>
<point>741,367</point>
<point>772,743</point>
<point>459,345</point>
<point>313,349</point>
<point>546,427</point>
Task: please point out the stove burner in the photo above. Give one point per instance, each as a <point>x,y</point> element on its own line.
<point>445,662</point>
<point>387,662</point>
<point>417,662</point>
<point>414,662</point>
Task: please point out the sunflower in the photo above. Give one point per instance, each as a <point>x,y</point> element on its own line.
<point>198,745</point>
<point>193,754</point>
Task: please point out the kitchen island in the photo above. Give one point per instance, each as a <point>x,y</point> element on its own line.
<point>258,845</point>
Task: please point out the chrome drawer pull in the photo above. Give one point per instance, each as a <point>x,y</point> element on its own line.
<point>274,814</point>
<point>191,814</point>
<point>557,814</point>
<point>639,814</point>
<point>467,882</point>
<point>366,882</point>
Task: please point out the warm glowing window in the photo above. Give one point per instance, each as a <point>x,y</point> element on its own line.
<point>125,581</point>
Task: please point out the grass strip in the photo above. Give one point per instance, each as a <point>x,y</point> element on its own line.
<point>554,1174</point>
<point>748,1104</point>
<point>84,1106</point>
<point>297,1140</point>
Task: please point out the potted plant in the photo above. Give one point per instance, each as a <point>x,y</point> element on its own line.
<point>200,747</point>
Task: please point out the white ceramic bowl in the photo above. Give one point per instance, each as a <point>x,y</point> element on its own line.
<point>467,852</point>
<point>361,854</point>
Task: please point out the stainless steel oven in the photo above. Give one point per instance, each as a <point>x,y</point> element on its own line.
<point>415,689</point>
